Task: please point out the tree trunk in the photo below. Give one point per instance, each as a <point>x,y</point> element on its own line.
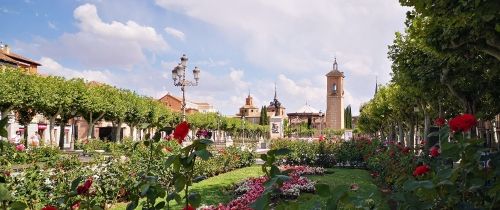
<point>26,135</point>
<point>52,120</point>
<point>411,137</point>
<point>401,134</point>
<point>132,127</point>
<point>90,126</point>
<point>427,124</point>
<point>118,131</point>
<point>62,126</point>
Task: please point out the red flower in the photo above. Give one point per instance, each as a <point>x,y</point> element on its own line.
<point>20,147</point>
<point>439,121</point>
<point>49,207</point>
<point>434,151</point>
<point>354,187</point>
<point>181,131</point>
<point>189,207</point>
<point>75,206</point>
<point>421,170</point>
<point>83,189</point>
<point>321,138</point>
<point>462,122</point>
<point>406,150</point>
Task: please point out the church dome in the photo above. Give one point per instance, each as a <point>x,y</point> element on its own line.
<point>307,109</point>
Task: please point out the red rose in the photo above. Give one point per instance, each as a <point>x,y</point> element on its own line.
<point>189,207</point>
<point>406,150</point>
<point>439,121</point>
<point>421,170</point>
<point>20,147</point>
<point>434,151</point>
<point>462,122</point>
<point>83,189</point>
<point>181,131</point>
<point>49,207</point>
<point>75,205</point>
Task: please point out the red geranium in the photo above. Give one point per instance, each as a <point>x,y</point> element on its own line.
<point>462,122</point>
<point>189,207</point>
<point>181,131</point>
<point>83,189</point>
<point>20,147</point>
<point>75,205</point>
<point>49,207</point>
<point>421,170</point>
<point>434,151</point>
<point>439,121</point>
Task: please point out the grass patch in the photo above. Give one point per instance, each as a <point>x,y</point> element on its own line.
<point>217,189</point>
<point>339,177</point>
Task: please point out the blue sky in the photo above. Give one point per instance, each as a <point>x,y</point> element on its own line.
<point>239,45</point>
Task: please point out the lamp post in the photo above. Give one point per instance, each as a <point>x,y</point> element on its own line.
<point>321,114</point>
<point>179,77</point>
<point>243,122</point>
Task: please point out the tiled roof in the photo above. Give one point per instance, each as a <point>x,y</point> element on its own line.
<point>17,58</point>
<point>6,58</point>
<point>335,73</point>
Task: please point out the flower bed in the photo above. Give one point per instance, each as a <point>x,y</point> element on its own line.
<point>250,190</point>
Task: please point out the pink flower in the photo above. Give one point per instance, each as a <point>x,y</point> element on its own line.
<point>20,147</point>
<point>354,187</point>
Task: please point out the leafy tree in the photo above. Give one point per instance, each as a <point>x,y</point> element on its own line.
<point>453,26</point>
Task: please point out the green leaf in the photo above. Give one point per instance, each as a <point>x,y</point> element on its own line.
<point>194,199</point>
<point>144,189</point>
<point>171,159</point>
<point>323,190</point>
<point>261,203</point>
<point>275,171</point>
<point>4,193</point>
<point>160,205</point>
<point>96,208</point>
<point>206,141</point>
<point>132,205</point>
<point>449,149</point>
<point>171,196</point>
<point>412,185</point>
<point>76,182</point>
<point>497,27</point>
<point>263,157</point>
<point>180,182</point>
<point>17,205</point>
<point>282,151</point>
<point>203,154</point>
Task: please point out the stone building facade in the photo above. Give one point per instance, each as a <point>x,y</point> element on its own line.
<point>335,98</point>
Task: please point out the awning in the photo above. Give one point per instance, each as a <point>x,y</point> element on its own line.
<point>42,126</point>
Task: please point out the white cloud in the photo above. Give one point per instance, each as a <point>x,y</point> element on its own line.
<point>176,33</point>
<point>52,25</point>
<point>301,38</point>
<point>52,67</point>
<point>102,45</point>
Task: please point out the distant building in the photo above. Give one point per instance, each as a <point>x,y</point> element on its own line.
<point>276,105</point>
<point>308,115</point>
<point>8,58</point>
<point>175,104</point>
<point>335,98</point>
<point>249,111</point>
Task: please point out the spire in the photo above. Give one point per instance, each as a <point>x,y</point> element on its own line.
<point>275,95</point>
<point>335,65</point>
<point>248,92</point>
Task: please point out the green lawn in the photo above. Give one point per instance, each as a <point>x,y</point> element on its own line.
<point>339,177</point>
<point>216,189</point>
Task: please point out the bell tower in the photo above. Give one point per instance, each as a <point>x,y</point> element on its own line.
<point>335,98</point>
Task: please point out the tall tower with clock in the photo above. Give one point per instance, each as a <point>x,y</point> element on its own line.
<point>335,98</point>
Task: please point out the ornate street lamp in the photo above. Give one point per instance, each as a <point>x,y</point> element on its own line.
<point>179,77</point>
<point>321,114</point>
